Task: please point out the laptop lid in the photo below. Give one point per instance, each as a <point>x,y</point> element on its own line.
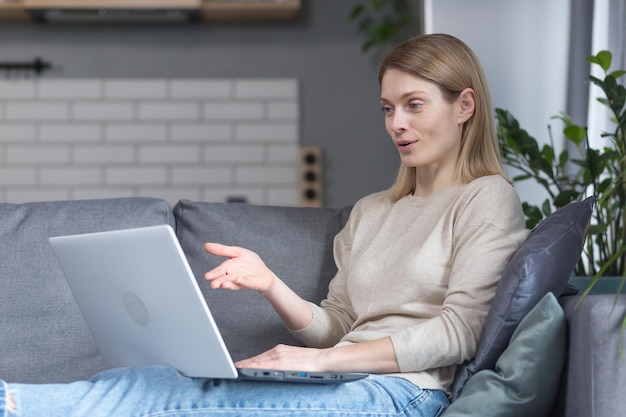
<point>141,301</point>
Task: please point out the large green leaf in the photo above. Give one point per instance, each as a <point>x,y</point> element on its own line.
<point>575,133</point>
<point>602,58</point>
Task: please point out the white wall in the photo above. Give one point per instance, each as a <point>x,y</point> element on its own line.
<point>337,83</point>
<point>523,46</point>
<point>202,139</point>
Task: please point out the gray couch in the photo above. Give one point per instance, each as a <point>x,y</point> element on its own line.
<point>44,338</point>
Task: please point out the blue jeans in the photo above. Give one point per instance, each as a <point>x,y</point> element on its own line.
<point>161,391</point>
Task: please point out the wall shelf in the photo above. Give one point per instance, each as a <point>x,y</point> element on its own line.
<point>209,10</point>
<point>13,11</point>
<point>249,10</point>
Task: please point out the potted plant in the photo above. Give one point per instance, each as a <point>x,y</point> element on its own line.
<point>567,177</point>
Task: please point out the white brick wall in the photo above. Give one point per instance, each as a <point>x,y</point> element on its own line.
<point>201,139</point>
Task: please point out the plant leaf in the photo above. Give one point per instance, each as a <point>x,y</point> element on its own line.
<point>385,31</point>
<point>522,177</point>
<point>596,81</point>
<point>377,5</point>
<point>602,58</point>
<point>566,197</point>
<point>533,215</point>
<point>617,74</point>
<point>563,158</point>
<point>575,133</point>
<point>357,11</point>
<point>367,45</point>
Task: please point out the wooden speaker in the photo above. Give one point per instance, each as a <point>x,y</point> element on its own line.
<point>311,177</point>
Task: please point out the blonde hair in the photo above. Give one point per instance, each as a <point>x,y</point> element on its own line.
<point>451,64</point>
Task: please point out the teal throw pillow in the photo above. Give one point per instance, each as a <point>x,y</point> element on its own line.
<point>526,378</point>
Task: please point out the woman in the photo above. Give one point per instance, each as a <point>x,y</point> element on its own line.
<point>418,265</point>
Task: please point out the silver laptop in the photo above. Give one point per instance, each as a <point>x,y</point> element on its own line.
<point>143,306</point>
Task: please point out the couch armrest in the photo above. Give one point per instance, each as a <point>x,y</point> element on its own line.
<point>595,375</point>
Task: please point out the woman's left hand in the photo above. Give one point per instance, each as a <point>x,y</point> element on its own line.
<point>374,356</point>
<point>287,358</point>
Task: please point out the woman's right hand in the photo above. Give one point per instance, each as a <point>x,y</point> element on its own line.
<point>243,269</point>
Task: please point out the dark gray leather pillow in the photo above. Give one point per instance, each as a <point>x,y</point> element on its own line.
<point>544,263</point>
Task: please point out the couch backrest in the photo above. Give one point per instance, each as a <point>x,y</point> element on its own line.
<point>43,335</point>
<point>296,243</point>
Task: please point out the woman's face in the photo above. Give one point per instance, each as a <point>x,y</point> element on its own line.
<point>424,126</point>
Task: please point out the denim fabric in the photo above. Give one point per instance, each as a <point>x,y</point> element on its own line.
<point>160,391</point>
<point>3,398</point>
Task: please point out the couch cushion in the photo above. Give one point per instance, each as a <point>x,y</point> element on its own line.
<point>44,338</point>
<point>296,243</point>
<point>525,380</point>
<point>544,263</point>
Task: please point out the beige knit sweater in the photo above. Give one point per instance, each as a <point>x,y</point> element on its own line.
<point>422,271</point>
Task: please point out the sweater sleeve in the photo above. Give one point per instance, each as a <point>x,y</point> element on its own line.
<point>487,231</point>
<point>333,318</point>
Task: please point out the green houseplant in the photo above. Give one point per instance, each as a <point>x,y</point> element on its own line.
<point>570,176</point>
<point>384,22</point>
